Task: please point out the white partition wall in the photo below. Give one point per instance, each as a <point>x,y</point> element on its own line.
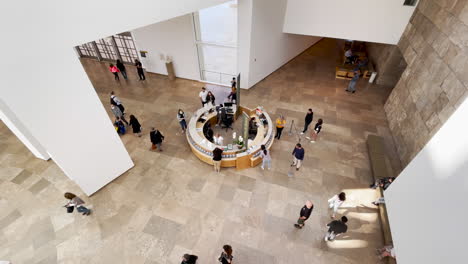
<point>262,43</point>
<point>45,86</point>
<point>427,203</point>
<point>367,20</point>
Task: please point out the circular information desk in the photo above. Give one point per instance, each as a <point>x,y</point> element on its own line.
<point>232,157</point>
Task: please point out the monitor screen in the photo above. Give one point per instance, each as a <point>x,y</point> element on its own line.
<point>227,104</point>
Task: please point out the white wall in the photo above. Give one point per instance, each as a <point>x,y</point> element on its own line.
<point>47,89</point>
<point>244,32</point>
<point>174,38</point>
<point>270,48</point>
<point>367,20</point>
<point>427,203</point>
<point>20,131</point>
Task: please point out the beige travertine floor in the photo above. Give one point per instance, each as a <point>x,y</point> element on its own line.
<point>170,203</point>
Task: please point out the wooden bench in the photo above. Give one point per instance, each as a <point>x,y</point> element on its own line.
<point>378,161</point>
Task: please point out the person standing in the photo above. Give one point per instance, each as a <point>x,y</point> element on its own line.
<point>317,129</point>
<point>352,84</point>
<point>280,123</point>
<point>135,125</point>
<point>218,139</point>
<point>304,214</point>
<point>119,126</point>
<point>203,96</point>
<point>181,119</point>
<point>308,119</point>
<point>335,228</point>
<point>76,202</point>
<point>141,73</point>
<point>189,259</point>
<point>114,100</point>
<point>118,114</point>
<point>210,98</point>
<point>233,83</point>
<point>298,156</point>
<point>335,202</point>
<point>226,256</point>
<point>217,157</point>
<point>114,71</point>
<point>266,158</point>
<point>156,139</point>
<point>233,95</point>
<point>121,68</point>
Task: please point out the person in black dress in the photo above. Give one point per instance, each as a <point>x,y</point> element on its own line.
<point>121,68</point>
<point>135,125</point>
<point>140,72</point>
<point>156,139</point>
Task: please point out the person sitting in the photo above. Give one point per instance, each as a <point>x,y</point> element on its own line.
<point>209,133</point>
<point>252,126</point>
<point>384,183</point>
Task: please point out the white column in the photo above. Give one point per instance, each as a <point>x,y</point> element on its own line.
<point>427,202</point>
<point>21,132</point>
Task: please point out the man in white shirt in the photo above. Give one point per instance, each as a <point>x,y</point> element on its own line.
<point>203,94</point>
<point>218,139</point>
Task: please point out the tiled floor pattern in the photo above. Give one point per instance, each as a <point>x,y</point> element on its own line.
<point>170,203</point>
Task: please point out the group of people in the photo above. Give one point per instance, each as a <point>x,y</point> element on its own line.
<point>120,67</point>
<point>121,124</point>
<point>281,123</point>
<point>208,96</point>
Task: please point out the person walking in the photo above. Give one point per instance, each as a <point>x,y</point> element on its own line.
<point>226,256</point>
<point>298,156</point>
<point>119,126</point>
<point>114,71</point>
<point>135,125</point>
<point>308,119</point>
<point>203,96</point>
<point>75,201</point>
<point>114,100</point>
<point>217,157</point>
<point>141,73</point>
<point>233,82</point>
<point>280,123</point>
<point>266,158</point>
<point>181,119</point>
<point>233,95</point>
<point>304,214</point>
<point>336,228</point>
<point>156,139</point>
<point>210,98</point>
<point>352,84</point>
<point>118,114</point>
<point>189,259</point>
<point>317,129</point>
<point>335,202</point>
<point>121,68</point>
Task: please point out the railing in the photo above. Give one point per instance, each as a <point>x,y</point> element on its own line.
<point>218,77</point>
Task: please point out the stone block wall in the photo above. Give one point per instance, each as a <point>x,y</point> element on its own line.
<point>388,62</point>
<point>435,47</point>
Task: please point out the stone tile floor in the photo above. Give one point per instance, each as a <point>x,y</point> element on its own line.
<point>170,203</point>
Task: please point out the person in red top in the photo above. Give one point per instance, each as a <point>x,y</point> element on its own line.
<point>114,70</point>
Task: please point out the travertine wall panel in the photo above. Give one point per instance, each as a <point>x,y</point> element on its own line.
<point>435,48</point>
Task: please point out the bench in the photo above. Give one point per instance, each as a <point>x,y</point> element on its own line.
<point>378,161</point>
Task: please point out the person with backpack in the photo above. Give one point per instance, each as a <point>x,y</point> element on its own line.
<point>114,100</point>
<point>156,139</point>
<point>115,71</point>
<point>121,68</point>
<point>75,202</point>
<point>119,126</point>
<point>135,125</point>
<point>118,114</point>
<point>226,256</point>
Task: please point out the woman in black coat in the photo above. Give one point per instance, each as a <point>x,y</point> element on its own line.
<point>135,125</point>
<point>156,139</point>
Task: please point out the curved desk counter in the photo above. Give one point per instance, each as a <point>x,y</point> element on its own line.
<point>235,157</point>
